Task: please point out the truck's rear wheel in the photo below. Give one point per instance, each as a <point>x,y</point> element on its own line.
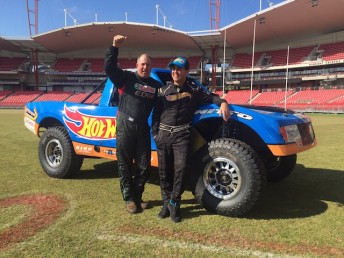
<point>56,153</point>
<point>227,177</point>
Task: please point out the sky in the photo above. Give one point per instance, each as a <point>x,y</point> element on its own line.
<point>183,15</point>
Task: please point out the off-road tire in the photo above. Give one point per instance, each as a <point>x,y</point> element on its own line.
<point>278,168</point>
<point>227,177</point>
<point>57,155</point>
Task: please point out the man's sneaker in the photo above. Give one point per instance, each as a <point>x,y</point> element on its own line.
<point>144,205</point>
<point>174,208</point>
<point>131,207</point>
<point>164,212</point>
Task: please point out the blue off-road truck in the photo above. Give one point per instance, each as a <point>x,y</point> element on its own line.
<point>232,161</point>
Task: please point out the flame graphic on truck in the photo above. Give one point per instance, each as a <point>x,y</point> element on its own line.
<point>90,127</point>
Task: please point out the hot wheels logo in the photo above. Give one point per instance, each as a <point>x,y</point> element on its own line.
<point>90,127</point>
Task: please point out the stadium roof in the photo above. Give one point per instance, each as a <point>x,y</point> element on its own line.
<point>288,21</point>
<point>140,38</point>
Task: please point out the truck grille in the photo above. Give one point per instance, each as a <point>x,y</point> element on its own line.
<point>307,133</point>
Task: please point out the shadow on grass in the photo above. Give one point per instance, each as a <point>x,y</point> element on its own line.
<point>303,194</point>
<point>108,169</point>
<point>103,170</point>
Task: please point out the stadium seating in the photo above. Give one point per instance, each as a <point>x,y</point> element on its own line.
<point>10,64</point>
<point>127,63</point>
<point>276,57</point>
<point>160,62</point>
<point>315,96</point>
<point>271,98</point>
<point>96,65</point>
<point>194,62</point>
<point>307,99</point>
<point>219,92</point>
<point>300,100</point>
<point>321,100</point>
<point>240,96</point>
<point>54,96</point>
<point>4,94</point>
<point>338,100</point>
<point>244,60</point>
<point>298,55</point>
<point>94,99</point>
<point>67,65</point>
<point>334,51</point>
<point>78,97</point>
<point>19,98</point>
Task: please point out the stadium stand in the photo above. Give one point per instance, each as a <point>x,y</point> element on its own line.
<point>96,65</point>
<point>194,62</point>
<point>338,100</point>
<point>54,96</point>
<point>4,94</point>
<point>333,51</point>
<point>240,96</point>
<point>78,97</point>
<point>270,98</point>
<point>219,92</point>
<point>10,64</point>
<point>160,62</point>
<point>244,60</point>
<point>67,65</point>
<point>277,57</point>
<point>316,71</point>
<point>127,63</point>
<point>323,96</point>
<point>19,98</point>
<point>296,56</point>
<point>273,57</point>
<point>94,99</point>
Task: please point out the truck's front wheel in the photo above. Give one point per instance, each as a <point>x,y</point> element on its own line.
<point>56,153</point>
<point>228,178</point>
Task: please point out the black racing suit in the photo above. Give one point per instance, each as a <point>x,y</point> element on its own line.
<point>171,128</point>
<point>136,101</point>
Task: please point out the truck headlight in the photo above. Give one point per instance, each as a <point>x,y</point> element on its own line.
<point>291,134</point>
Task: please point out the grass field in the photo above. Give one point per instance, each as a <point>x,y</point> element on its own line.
<point>302,216</point>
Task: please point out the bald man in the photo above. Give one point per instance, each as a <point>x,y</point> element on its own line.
<point>137,95</point>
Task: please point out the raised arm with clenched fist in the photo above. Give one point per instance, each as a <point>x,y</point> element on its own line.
<point>118,40</point>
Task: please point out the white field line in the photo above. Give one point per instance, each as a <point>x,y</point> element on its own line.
<point>138,239</point>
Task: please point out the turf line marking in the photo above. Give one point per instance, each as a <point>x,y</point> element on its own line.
<point>137,239</point>
<point>66,215</point>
